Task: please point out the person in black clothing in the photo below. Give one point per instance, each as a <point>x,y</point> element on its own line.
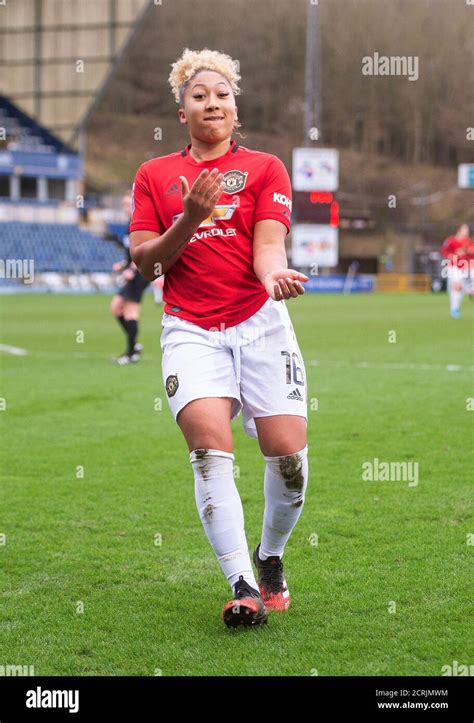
<point>125,304</point>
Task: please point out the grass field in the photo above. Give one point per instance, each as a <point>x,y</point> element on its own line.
<point>387,589</point>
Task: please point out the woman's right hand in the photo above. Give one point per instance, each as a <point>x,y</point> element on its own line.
<point>200,201</point>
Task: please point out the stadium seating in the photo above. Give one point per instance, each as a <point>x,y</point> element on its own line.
<point>58,247</point>
<point>25,134</point>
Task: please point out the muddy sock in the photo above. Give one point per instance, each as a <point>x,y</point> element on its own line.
<point>285,484</point>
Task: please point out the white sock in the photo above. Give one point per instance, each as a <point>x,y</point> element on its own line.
<point>455,299</point>
<point>220,509</point>
<point>286,479</point>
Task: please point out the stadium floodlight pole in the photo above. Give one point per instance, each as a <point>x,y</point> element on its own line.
<point>313,115</point>
<point>38,58</point>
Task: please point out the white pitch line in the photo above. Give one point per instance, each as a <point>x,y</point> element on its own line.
<point>394,365</point>
<point>74,355</point>
<point>312,362</point>
<point>15,350</point>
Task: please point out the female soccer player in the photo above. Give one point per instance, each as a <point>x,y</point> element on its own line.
<point>458,250</point>
<point>213,218</point>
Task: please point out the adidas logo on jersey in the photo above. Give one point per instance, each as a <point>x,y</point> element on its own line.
<point>172,189</point>
<point>295,394</point>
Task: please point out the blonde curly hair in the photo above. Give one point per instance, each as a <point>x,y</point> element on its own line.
<point>192,61</point>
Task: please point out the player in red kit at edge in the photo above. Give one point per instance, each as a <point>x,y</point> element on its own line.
<point>458,250</point>
<point>213,218</point>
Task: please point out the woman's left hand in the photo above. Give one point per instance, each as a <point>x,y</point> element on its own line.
<point>284,283</point>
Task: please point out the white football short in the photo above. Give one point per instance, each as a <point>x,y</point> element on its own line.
<point>257,363</point>
<point>458,274</point>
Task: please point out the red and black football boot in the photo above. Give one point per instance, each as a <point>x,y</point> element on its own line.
<point>271,582</point>
<point>245,608</point>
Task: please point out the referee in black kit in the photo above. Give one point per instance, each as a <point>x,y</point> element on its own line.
<point>125,305</point>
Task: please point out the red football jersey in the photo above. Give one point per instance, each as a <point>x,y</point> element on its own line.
<point>213,283</point>
<point>457,250</point>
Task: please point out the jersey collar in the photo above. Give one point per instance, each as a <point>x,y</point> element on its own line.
<point>203,164</point>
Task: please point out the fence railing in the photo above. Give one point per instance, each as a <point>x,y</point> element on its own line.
<point>402,283</point>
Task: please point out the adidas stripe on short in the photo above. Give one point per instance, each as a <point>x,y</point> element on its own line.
<point>257,362</point>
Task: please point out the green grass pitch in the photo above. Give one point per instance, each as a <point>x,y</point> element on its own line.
<point>86,588</point>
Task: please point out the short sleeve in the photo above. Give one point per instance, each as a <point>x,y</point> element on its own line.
<point>145,216</point>
<point>446,248</point>
<point>275,198</point>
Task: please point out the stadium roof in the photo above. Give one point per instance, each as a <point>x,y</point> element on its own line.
<point>57,57</point>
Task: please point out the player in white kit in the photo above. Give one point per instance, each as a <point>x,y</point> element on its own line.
<point>213,218</point>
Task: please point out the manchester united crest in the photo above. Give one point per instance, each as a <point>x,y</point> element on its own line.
<point>172,385</point>
<point>235,181</point>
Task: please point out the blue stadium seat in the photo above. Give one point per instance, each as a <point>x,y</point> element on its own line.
<point>58,247</point>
